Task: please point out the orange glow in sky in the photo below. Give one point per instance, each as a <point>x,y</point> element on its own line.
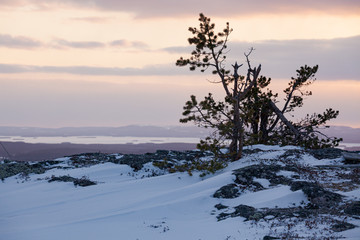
<point>111,63</point>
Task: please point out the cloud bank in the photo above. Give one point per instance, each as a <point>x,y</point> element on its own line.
<point>18,42</point>
<point>78,44</point>
<point>226,8</point>
<point>22,42</point>
<point>337,58</point>
<point>154,70</point>
<point>126,43</point>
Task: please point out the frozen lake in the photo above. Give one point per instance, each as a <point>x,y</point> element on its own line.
<point>99,139</point>
<point>115,140</point>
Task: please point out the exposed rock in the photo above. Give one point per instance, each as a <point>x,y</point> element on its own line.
<point>351,157</point>
<point>342,226</point>
<point>292,153</point>
<point>8,169</point>
<point>321,201</point>
<point>245,175</point>
<point>326,153</point>
<point>219,206</point>
<point>252,151</point>
<point>240,211</point>
<point>243,211</point>
<point>353,209</point>
<point>316,194</point>
<point>256,216</point>
<point>61,179</point>
<point>284,212</point>
<point>82,182</point>
<point>270,238</point>
<point>89,159</point>
<point>137,161</point>
<point>228,191</point>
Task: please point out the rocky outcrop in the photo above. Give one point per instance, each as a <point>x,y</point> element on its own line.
<point>353,209</point>
<point>82,182</point>
<point>316,194</point>
<point>326,153</point>
<point>316,183</point>
<point>351,157</point>
<point>228,191</point>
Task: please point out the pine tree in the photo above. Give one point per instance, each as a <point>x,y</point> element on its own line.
<point>248,114</point>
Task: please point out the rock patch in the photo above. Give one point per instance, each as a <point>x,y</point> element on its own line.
<point>136,161</point>
<point>316,194</point>
<point>228,191</point>
<point>310,180</point>
<point>353,209</point>
<point>326,153</point>
<point>82,182</point>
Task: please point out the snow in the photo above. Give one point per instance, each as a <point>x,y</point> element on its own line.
<point>132,205</point>
<point>271,147</point>
<point>264,182</point>
<point>285,173</point>
<point>280,196</point>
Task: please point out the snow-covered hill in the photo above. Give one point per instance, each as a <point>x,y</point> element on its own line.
<point>272,191</point>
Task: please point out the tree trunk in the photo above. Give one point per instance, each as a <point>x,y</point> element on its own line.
<point>284,120</point>
<point>264,120</point>
<point>256,114</point>
<point>241,140</point>
<point>235,145</point>
<point>236,142</point>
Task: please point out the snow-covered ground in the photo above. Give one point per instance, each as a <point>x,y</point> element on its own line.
<point>132,205</point>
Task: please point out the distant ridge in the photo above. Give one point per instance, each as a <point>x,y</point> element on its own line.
<point>125,131</point>
<point>350,135</point>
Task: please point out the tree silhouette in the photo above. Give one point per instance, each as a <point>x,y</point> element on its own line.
<point>248,114</point>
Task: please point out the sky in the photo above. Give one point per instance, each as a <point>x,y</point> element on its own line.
<point>112,63</point>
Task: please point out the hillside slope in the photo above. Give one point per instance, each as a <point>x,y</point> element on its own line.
<point>283,192</point>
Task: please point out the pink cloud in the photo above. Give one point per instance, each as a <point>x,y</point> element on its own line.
<point>18,42</point>
<point>225,8</point>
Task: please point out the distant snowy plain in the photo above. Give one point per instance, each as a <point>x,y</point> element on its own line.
<point>99,139</point>
<point>134,205</point>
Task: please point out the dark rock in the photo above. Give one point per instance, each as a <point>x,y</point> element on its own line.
<point>295,176</point>
<point>270,238</point>
<point>351,157</point>
<point>82,182</point>
<point>292,154</point>
<point>228,191</point>
<point>244,176</point>
<point>25,168</point>
<point>252,151</point>
<point>258,171</point>
<point>62,179</point>
<point>220,206</point>
<point>280,212</point>
<point>240,211</point>
<point>222,216</point>
<point>316,194</point>
<point>243,211</point>
<point>90,159</point>
<point>353,209</point>
<point>342,226</point>
<point>137,161</point>
<point>325,153</point>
